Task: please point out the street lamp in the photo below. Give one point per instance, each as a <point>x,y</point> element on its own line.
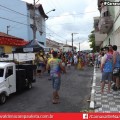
<point>79,46</point>
<point>50,11</point>
<point>72,41</point>
<point>34,19</point>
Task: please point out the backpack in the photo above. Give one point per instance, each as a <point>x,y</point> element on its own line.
<point>118,56</point>
<point>116,70</point>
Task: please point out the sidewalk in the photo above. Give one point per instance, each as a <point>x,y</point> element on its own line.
<point>104,102</point>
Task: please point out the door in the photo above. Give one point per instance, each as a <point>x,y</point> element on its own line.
<point>10,79</point>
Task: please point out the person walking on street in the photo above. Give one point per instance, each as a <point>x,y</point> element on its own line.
<point>106,69</point>
<point>55,66</point>
<point>75,60</point>
<point>116,66</point>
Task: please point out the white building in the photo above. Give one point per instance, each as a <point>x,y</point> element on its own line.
<point>99,37</point>
<point>67,48</point>
<point>16,19</point>
<point>59,46</point>
<point>52,45</point>
<point>109,23</point>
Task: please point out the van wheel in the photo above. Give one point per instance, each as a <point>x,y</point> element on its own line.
<point>2,98</point>
<point>29,85</point>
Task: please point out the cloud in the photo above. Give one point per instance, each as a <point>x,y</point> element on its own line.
<point>83,46</point>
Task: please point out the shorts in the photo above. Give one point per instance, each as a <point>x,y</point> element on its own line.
<point>56,82</point>
<point>98,62</point>
<point>107,76</point>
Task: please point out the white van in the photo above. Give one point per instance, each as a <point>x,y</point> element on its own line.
<point>14,79</point>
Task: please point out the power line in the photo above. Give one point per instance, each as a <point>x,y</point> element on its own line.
<point>23,23</point>
<point>65,24</point>
<point>50,4</point>
<point>14,11</point>
<point>60,6</point>
<point>17,13</point>
<point>13,21</point>
<point>55,33</point>
<point>29,25</point>
<point>74,14</point>
<point>55,6</point>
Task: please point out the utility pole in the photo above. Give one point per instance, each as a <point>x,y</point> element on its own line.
<point>109,41</point>
<point>34,22</point>
<point>79,46</point>
<point>72,42</point>
<point>8,28</point>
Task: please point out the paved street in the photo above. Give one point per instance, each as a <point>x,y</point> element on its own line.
<point>75,90</point>
<point>105,102</point>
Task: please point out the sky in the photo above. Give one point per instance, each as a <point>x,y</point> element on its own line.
<point>70,16</point>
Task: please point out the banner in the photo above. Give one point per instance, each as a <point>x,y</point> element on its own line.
<point>59,116</point>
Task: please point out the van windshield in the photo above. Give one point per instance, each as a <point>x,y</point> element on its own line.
<point>1,72</point>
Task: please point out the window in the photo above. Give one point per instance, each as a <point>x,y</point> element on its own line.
<point>105,14</point>
<point>9,71</point>
<point>1,72</point>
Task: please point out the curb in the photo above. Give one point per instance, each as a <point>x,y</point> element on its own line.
<point>92,99</point>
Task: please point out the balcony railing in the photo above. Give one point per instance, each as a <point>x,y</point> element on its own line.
<point>105,24</point>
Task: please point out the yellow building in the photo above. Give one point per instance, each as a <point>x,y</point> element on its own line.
<point>8,43</point>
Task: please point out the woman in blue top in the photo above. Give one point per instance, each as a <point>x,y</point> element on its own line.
<point>116,64</point>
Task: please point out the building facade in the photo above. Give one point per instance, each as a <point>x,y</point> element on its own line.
<point>99,37</point>
<point>40,18</point>
<point>68,48</point>
<point>109,23</point>
<point>8,43</point>
<point>17,20</point>
<point>51,44</point>
<point>59,46</point>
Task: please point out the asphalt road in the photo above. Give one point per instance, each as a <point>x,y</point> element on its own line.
<point>74,92</point>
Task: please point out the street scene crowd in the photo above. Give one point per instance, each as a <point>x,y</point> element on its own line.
<point>108,59</point>
<point>56,62</point>
<point>78,59</point>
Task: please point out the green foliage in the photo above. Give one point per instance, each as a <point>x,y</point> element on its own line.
<point>92,41</point>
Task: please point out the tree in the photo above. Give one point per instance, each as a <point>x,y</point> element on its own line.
<point>92,41</point>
